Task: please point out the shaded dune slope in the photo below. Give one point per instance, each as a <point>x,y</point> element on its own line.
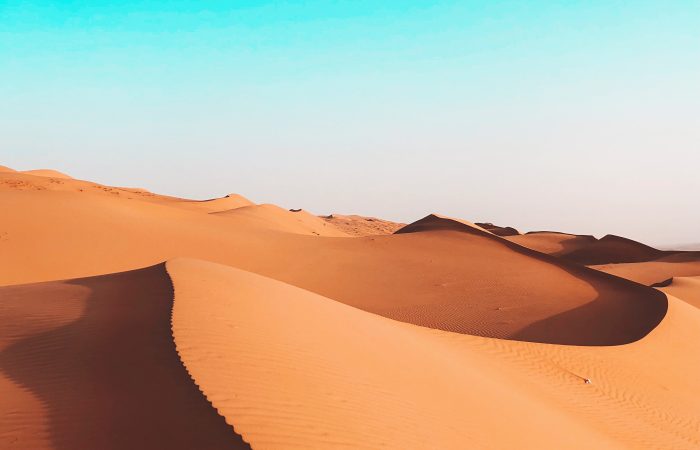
<point>291,369</point>
<point>618,305</point>
<point>468,282</point>
<point>437,222</point>
<point>91,364</point>
<point>611,249</point>
<point>497,230</point>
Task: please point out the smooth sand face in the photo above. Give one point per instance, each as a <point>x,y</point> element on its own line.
<point>686,289</point>
<point>469,282</point>
<point>91,363</point>
<point>292,333</point>
<point>273,358</point>
<point>355,225</point>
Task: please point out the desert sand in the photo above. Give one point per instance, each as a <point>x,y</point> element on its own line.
<point>130,319</point>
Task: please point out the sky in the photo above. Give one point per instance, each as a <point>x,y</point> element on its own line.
<point>578,116</point>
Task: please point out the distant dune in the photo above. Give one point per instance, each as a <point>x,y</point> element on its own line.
<point>355,225</point>
<point>178,323</point>
<point>499,231</point>
<point>276,218</point>
<point>48,173</point>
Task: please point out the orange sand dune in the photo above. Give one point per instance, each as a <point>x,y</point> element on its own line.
<point>651,272</point>
<point>291,369</point>
<point>48,173</point>
<point>551,242</point>
<point>612,249</point>
<point>6,169</point>
<point>91,364</point>
<point>685,288</point>
<point>275,218</point>
<point>287,336</point>
<point>437,222</point>
<point>355,225</point>
<point>498,231</point>
<point>469,282</point>
<point>230,202</point>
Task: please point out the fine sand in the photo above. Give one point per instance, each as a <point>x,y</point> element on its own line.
<point>130,319</point>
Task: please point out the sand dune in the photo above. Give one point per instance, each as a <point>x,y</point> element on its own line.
<point>276,218</point>
<point>91,364</point>
<point>684,288</point>
<point>287,331</point>
<point>498,231</point>
<point>273,359</point>
<point>551,242</point>
<point>650,272</point>
<point>230,202</point>
<point>475,282</point>
<point>48,173</point>
<point>612,249</point>
<point>435,222</point>
<point>354,225</point>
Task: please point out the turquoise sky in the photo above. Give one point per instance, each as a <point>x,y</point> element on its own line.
<point>577,116</point>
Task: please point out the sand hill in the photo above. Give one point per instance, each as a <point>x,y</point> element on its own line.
<point>134,320</point>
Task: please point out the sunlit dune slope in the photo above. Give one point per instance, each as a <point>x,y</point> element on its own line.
<point>227,203</point>
<point>685,288</point>
<point>276,218</point>
<point>48,173</point>
<point>90,363</point>
<point>355,225</point>
<point>651,272</point>
<point>474,283</point>
<point>291,369</point>
<point>552,243</point>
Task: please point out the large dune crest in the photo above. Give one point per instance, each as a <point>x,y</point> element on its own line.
<point>273,358</point>
<point>275,328</point>
<point>91,363</point>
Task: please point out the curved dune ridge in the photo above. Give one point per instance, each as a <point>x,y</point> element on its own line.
<point>552,242</point>
<point>91,363</point>
<point>292,369</point>
<point>652,272</point>
<point>266,323</point>
<point>229,202</point>
<point>613,249</point>
<point>473,283</point>
<point>276,218</point>
<point>685,288</point>
<point>497,230</point>
<point>465,282</point>
<point>434,222</point>
<point>49,173</point>
<point>354,225</point>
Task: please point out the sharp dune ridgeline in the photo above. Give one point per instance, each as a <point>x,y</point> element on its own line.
<point>130,319</point>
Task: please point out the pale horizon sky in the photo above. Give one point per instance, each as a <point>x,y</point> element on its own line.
<point>581,117</point>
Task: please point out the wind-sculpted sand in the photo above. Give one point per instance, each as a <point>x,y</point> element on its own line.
<point>291,332</point>
<point>292,369</point>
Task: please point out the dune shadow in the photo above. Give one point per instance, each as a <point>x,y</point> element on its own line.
<point>600,322</point>
<point>112,379</point>
<point>622,311</point>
